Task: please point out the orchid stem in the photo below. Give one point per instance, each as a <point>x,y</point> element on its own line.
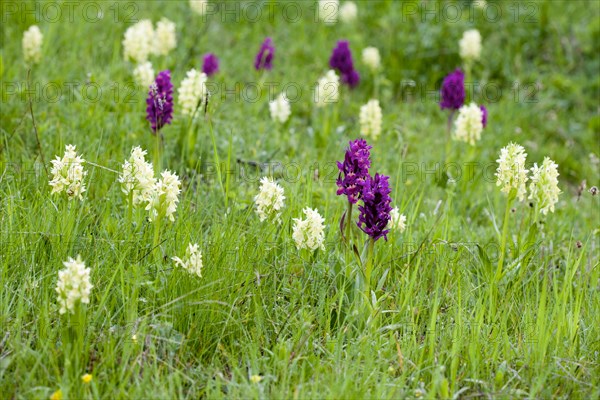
<point>369,266</point>
<point>503,239</point>
<point>157,152</point>
<point>348,222</point>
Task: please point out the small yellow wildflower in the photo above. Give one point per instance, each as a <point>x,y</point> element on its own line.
<point>56,395</point>
<point>256,378</point>
<point>87,378</point>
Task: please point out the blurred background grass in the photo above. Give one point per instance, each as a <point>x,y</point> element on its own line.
<point>207,337</point>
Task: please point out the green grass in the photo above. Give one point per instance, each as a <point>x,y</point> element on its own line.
<point>440,325</point>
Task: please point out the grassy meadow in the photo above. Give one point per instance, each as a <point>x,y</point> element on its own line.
<point>267,320</point>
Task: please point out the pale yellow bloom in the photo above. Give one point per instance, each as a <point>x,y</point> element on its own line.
<point>348,11</point>
<point>328,89</point>
<point>370,119</point>
<point>543,188</point>
<point>192,262</point>
<point>137,178</point>
<point>165,38</point>
<point>138,41</point>
<point>143,74</point>
<point>309,233</point>
<point>328,11</point>
<point>192,92</point>
<point>511,172</point>
<point>32,45</point>
<point>68,173</point>
<point>397,220</point>
<point>469,124</point>
<point>199,6</point>
<point>280,109</point>
<point>270,199</point>
<point>371,58</point>
<point>470,45</point>
<point>165,196</point>
<point>73,285</point>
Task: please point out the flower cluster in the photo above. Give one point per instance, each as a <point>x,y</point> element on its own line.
<point>137,41</point>
<point>143,74</point>
<point>354,170</point>
<point>348,12</point>
<point>141,40</point>
<point>270,200</point>
<point>341,60</point>
<point>73,285</point>
<point>397,220</point>
<point>328,89</point>
<point>356,183</point>
<point>543,187</point>
<point>543,183</point>
<point>309,233</point>
<point>192,261</point>
<point>280,108</point>
<point>370,119</point>
<point>371,58</point>
<point>199,6</point>
<point>210,64</point>
<point>453,90</point>
<point>192,92</point>
<point>159,110</point>
<point>32,45</point>
<point>511,172</point>
<point>469,124</point>
<point>68,173</point>
<point>165,197</point>
<point>165,38</point>
<point>470,45</point>
<point>137,179</point>
<point>375,211</point>
<point>327,11</point>
<point>264,58</point>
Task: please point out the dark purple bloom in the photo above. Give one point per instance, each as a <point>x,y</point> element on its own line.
<point>264,58</point>
<point>351,79</point>
<point>159,110</point>
<point>484,115</point>
<point>453,90</point>
<point>210,65</point>
<point>341,58</point>
<point>375,213</point>
<point>354,170</point>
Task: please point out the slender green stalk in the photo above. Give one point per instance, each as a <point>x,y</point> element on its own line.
<point>503,238</point>
<point>191,140</point>
<point>448,136</point>
<point>157,158</point>
<point>184,140</point>
<point>348,224</point>
<point>468,83</point>
<point>228,172</point>
<point>130,211</point>
<point>156,240</point>
<point>322,138</point>
<point>376,84</point>
<point>217,161</point>
<point>369,266</point>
